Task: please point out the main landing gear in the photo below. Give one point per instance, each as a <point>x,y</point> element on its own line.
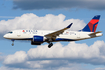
<point>50,45</point>
<point>12,42</point>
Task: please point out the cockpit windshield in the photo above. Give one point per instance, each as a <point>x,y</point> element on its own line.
<point>10,32</point>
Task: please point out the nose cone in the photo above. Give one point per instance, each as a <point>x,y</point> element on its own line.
<point>5,36</point>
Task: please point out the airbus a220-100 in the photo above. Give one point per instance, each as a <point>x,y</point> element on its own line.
<point>37,37</point>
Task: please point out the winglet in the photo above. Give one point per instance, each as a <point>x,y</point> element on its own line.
<point>69,25</point>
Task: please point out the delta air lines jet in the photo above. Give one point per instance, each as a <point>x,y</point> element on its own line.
<point>37,37</point>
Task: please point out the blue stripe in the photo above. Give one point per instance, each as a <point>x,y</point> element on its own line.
<point>23,39</point>
<point>97,17</point>
<point>58,39</point>
<point>62,39</point>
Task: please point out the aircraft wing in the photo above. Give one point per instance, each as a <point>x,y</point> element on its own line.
<point>57,33</point>
<point>95,33</point>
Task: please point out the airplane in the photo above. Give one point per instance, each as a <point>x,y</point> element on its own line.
<point>37,37</point>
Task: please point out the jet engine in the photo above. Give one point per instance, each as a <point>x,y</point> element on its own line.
<point>37,40</point>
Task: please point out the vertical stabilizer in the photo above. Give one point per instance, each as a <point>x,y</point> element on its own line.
<point>92,25</point>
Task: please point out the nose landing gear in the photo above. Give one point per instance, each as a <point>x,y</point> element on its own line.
<point>12,42</point>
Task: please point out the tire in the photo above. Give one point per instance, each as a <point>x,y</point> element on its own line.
<point>50,45</point>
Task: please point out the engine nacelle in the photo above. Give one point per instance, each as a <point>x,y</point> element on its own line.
<point>35,43</point>
<point>38,39</point>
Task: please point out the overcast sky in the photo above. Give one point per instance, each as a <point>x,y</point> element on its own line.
<point>51,15</point>
<point>58,4</point>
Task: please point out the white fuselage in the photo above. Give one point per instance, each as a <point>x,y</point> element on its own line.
<point>66,36</point>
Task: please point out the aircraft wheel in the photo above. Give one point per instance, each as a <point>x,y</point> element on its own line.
<point>12,44</point>
<point>50,45</point>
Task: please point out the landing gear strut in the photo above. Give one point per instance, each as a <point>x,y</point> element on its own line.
<point>12,42</point>
<point>50,45</point>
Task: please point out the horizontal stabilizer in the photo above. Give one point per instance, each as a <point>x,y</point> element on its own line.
<point>95,33</point>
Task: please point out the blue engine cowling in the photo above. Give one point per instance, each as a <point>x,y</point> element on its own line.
<point>38,39</point>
